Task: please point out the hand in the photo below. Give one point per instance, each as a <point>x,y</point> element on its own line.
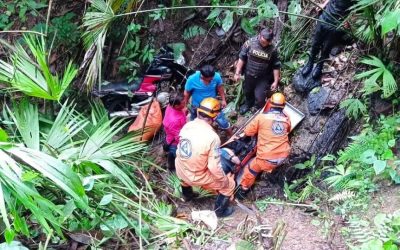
<point>318,9</point>
<point>274,86</point>
<point>346,25</point>
<point>223,103</point>
<point>236,77</point>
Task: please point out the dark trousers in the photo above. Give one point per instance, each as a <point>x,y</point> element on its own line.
<point>171,157</point>
<point>324,40</point>
<point>256,89</point>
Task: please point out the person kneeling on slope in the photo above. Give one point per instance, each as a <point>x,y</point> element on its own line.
<point>198,160</point>
<point>272,129</point>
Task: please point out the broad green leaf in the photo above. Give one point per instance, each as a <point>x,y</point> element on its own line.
<point>106,199</point>
<point>300,166</point>
<point>246,26</point>
<point>390,21</point>
<point>379,166</point>
<point>294,8</point>
<point>228,20</point>
<point>392,143</point>
<point>368,157</point>
<point>116,223</point>
<point>3,135</point>
<point>390,245</point>
<point>214,14</point>
<point>267,10</point>
<point>9,235</point>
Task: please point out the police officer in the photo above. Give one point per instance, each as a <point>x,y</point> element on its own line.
<point>262,71</point>
<point>328,34</point>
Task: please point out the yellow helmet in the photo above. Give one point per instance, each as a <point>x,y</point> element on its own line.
<point>209,107</point>
<point>278,100</point>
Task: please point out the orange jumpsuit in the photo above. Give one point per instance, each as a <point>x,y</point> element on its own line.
<point>198,161</point>
<point>273,147</point>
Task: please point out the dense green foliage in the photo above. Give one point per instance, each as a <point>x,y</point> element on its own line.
<point>63,169</point>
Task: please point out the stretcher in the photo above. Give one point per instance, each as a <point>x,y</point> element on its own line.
<point>237,151</point>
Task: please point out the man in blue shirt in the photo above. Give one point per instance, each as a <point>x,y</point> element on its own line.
<point>202,84</point>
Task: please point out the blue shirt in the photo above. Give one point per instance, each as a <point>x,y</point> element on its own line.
<point>199,90</point>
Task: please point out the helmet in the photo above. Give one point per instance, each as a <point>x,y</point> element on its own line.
<point>278,100</point>
<point>209,107</point>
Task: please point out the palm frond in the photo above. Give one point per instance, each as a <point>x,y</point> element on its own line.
<point>96,24</point>
<point>33,75</point>
<point>26,119</point>
<point>379,72</point>
<point>54,169</point>
<point>67,124</point>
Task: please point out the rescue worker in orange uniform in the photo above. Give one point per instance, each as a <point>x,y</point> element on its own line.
<point>198,161</point>
<point>272,129</point>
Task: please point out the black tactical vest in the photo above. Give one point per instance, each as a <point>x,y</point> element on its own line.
<point>258,58</point>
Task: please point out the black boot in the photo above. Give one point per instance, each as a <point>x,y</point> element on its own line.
<point>244,109</point>
<point>187,193</point>
<point>241,194</point>
<point>307,67</point>
<point>317,71</point>
<point>222,208</point>
<point>171,162</point>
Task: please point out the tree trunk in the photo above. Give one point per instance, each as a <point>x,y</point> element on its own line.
<point>278,26</point>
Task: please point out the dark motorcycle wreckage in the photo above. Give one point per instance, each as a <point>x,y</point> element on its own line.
<point>163,76</point>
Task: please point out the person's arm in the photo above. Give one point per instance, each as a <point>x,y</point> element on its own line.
<point>221,92</point>
<point>324,4</point>
<point>276,66</point>
<point>187,93</point>
<point>252,128</point>
<point>277,75</point>
<point>242,60</point>
<point>220,89</point>
<point>238,71</point>
<point>186,97</point>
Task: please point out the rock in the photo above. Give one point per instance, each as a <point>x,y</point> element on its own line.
<point>207,216</point>
<point>380,106</point>
<point>220,32</point>
<point>317,99</point>
<point>304,84</point>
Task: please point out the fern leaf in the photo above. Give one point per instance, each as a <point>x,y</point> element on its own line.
<point>342,196</point>
<point>354,107</point>
<point>193,31</point>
